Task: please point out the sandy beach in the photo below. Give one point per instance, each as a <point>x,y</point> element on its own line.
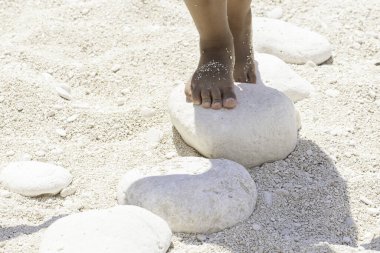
<point>121,59</point>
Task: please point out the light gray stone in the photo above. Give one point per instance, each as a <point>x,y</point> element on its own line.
<point>262,128</point>
<point>193,194</point>
<point>120,229</point>
<point>275,73</point>
<point>31,178</point>
<point>289,42</point>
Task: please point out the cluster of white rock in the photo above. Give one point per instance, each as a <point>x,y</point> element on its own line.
<point>191,194</point>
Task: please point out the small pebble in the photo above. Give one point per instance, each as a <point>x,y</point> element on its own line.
<point>68,192</point>
<point>19,107</point>
<point>10,153</point>
<point>268,198</point>
<point>5,194</point>
<point>256,227</point>
<point>120,102</point>
<point>373,211</point>
<point>2,99</point>
<point>349,222</point>
<point>276,13</point>
<point>282,192</point>
<point>170,155</point>
<point>61,132</point>
<point>309,152</point>
<point>65,87</point>
<point>50,114</point>
<point>57,151</point>
<point>346,239</point>
<point>201,237</point>
<point>63,93</point>
<point>147,112</point>
<point>40,153</point>
<point>311,64</point>
<point>125,91</point>
<point>116,68</point>
<point>85,11</point>
<point>332,93</point>
<point>72,118</point>
<point>366,201</point>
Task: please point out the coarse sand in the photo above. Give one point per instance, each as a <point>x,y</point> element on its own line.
<point>118,60</point>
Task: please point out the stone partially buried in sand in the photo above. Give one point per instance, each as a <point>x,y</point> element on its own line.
<point>262,128</point>
<point>289,42</point>
<point>120,229</point>
<point>193,194</point>
<point>275,73</point>
<point>31,178</point>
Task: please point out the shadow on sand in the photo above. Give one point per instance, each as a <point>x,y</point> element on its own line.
<point>309,212</point>
<point>8,233</point>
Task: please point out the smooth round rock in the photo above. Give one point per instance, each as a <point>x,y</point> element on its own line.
<point>31,178</point>
<point>289,42</point>
<point>119,229</point>
<point>275,73</point>
<point>193,194</point>
<point>261,128</point>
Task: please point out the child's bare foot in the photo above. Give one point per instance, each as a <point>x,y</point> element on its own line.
<point>212,83</point>
<point>244,70</point>
<point>240,23</point>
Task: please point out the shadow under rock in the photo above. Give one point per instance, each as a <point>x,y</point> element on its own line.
<point>181,147</point>
<point>8,233</point>
<point>302,206</point>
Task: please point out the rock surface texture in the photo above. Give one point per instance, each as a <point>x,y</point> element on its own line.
<point>119,229</point>
<point>275,73</point>
<point>289,42</point>
<point>31,178</point>
<point>193,194</point>
<point>262,128</point>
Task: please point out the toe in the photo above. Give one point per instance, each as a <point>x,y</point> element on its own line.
<point>188,92</point>
<point>196,96</point>
<point>229,98</point>
<point>206,98</point>
<point>216,98</point>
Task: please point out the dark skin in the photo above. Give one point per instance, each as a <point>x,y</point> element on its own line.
<point>226,55</point>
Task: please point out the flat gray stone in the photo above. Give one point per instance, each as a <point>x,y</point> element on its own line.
<point>193,194</point>
<point>262,128</point>
<point>120,229</point>
<point>289,42</point>
<point>31,178</point>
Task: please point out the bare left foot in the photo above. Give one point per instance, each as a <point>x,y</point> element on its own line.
<point>241,28</point>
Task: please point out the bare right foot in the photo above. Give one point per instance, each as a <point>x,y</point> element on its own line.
<point>212,83</point>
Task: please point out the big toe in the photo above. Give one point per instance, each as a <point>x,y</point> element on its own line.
<point>229,98</point>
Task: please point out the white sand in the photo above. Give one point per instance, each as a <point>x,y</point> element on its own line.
<point>324,195</point>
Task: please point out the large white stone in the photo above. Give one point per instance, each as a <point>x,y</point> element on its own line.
<point>262,128</point>
<point>193,194</point>
<point>120,229</point>
<point>275,73</point>
<point>289,42</point>
<point>31,178</point>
